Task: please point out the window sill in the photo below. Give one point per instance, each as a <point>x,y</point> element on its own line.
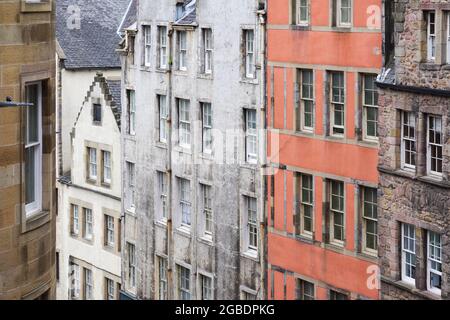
<point>160,70</point>
<point>253,81</point>
<point>411,288</point>
<point>106,185</point>
<point>146,68</point>
<point>131,211</point>
<point>206,156</point>
<point>429,66</point>
<point>300,27</point>
<point>249,166</point>
<point>183,149</point>
<point>367,142</point>
<point>28,7</point>
<point>369,254</point>
<point>110,249</point>
<point>435,180</point>
<point>250,254</point>
<point>206,239</point>
<point>205,76</point>
<point>342,28</point>
<point>182,73</point>
<point>36,221</point>
<point>336,247</point>
<point>161,223</point>
<point>305,238</point>
<point>184,231</point>
<point>161,145</point>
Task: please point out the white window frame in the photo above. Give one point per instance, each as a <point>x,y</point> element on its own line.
<point>206,288</point>
<point>435,135</point>
<point>107,168</point>
<point>367,106</point>
<point>251,136</point>
<point>162,187</point>
<point>306,203</point>
<point>163,118</point>
<point>131,171</point>
<point>431,36</point>
<point>306,97</point>
<point>34,206</point>
<point>207,140</point>
<point>184,123</point>
<point>88,223</point>
<point>110,289</point>
<point>182,49</point>
<point>334,103</point>
<point>162,42</point>
<point>301,5</point>
<point>88,284</point>
<point>336,211</point>
<point>93,168</point>
<point>302,294</point>
<point>207,50</point>
<point>408,251</point>
<point>249,54</point>
<point>407,138</point>
<point>434,256</point>
<point>367,218</point>
<point>75,219</point>
<point>207,211</point>
<point>184,283</point>
<point>109,228</point>
<point>147,45</point>
<point>132,112</point>
<point>251,225</point>
<point>76,283</point>
<point>340,7</point>
<point>162,279</point>
<point>131,265</point>
<point>185,203</point>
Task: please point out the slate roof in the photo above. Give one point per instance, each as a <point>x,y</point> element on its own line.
<point>115,91</point>
<point>130,17</point>
<point>93,43</point>
<point>190,13</point>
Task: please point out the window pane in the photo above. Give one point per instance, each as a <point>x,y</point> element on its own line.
<point>32,93</point>
<point>30,175</point>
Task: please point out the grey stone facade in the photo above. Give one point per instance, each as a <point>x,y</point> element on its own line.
<point>222,257</point>
<point>417,195</point>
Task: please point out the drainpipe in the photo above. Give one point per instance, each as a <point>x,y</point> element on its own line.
<point>263,189</point>
<point>170,271</point>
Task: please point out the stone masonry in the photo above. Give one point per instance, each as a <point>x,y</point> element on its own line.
<point>27,245</point>
<point>412,82</point>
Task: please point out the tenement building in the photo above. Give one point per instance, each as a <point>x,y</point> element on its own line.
<point>414,158</point>
<point>193,97</point>
<point>89,184</point>
<point>27,150</point>
<point>323,59</point>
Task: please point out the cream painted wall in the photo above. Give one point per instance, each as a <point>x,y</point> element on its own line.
<point>102,261</point>
<point>74,87</point>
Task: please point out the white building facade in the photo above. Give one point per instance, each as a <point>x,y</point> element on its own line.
<point>89,219</point>
<point>193,107</point>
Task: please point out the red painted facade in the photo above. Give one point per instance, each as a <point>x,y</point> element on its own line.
<point>322,48</point>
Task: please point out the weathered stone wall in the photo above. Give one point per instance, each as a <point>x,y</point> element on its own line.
<point>223,258</point>
<point>27,247</point>
<point>413,197</point>
<point>411,65</point>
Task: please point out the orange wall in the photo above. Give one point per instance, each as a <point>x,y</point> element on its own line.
<point>319,49</point>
